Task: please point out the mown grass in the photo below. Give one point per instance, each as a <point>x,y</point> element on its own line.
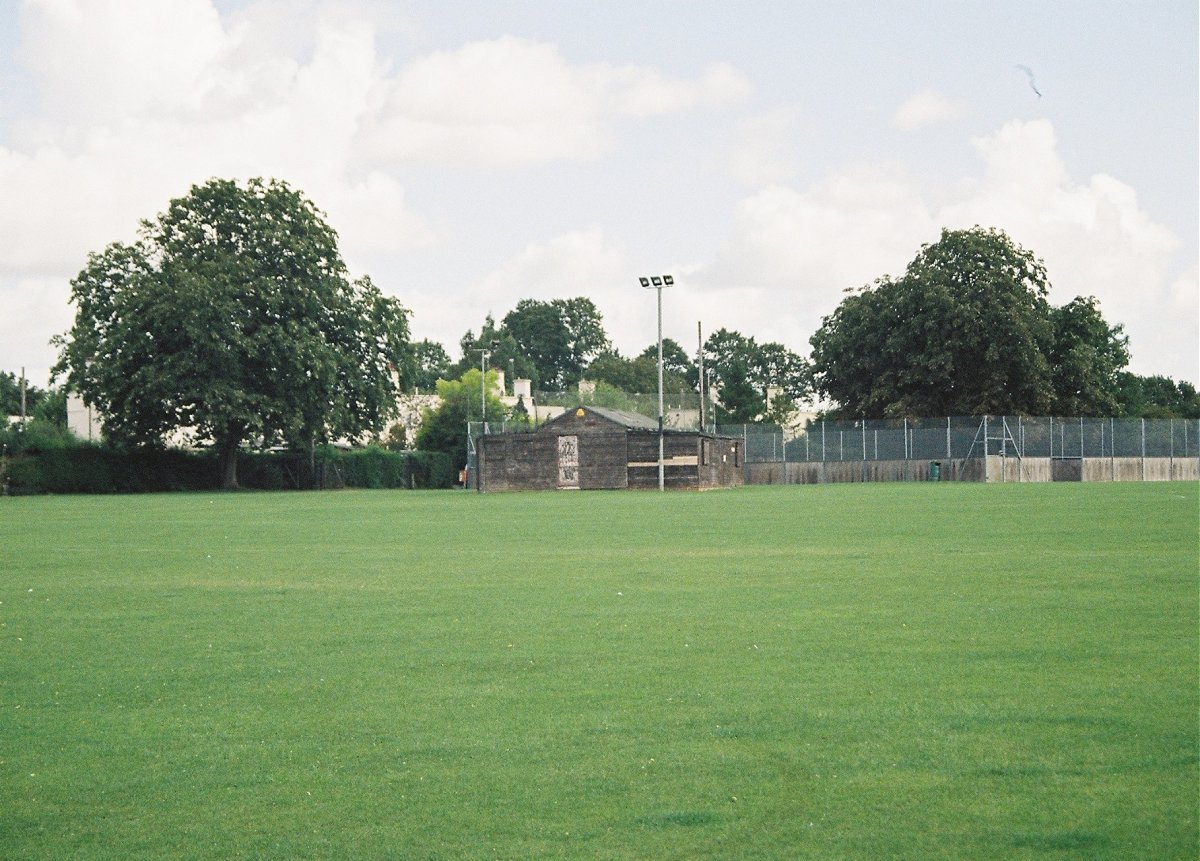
<point>891,671</point>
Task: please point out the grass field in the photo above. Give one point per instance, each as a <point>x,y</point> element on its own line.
<point>909,671</point>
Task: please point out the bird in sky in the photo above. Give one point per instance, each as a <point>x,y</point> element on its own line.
<point>1032,83</point>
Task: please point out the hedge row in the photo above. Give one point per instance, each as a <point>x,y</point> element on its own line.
<point>98,469</point>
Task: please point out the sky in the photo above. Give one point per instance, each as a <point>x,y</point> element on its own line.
<point>769,155</point>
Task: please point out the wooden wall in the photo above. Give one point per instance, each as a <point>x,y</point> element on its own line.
<point>609,458</point>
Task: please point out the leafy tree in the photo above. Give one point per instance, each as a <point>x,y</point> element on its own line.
<point>445,428</point>
<point>1156,397</point>
<point>49,404</point>
<point>744,372</point>
<point>676,362</point>
<point>775,366</point>
<point>51,407</point>
<point>505,353</point>
<point>1085,358</point>
<point>740,400</point>
<point>232,316</point>
<point>613,369</point>
<point>965,331</point>
<point>640,375</point>
<point>559,337</point>
<point>431,363</point>
<point>782,411</point>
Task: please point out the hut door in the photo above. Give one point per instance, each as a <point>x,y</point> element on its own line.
<point>568,461</point>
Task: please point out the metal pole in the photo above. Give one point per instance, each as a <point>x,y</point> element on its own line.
<point>948,455</point>
<point>1143,449</point>
<point>700,370</point>
<point>661,481</point>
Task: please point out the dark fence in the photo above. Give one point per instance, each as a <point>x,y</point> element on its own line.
<point>970,437</point>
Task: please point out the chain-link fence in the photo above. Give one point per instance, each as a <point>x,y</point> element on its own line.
<point>970,437</point>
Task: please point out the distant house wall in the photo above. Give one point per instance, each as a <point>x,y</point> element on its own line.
<point>82,419</point>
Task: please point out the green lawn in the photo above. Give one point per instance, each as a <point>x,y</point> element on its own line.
<point>911,671</point>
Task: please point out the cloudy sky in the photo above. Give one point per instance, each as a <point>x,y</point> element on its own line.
<point>768,153</point>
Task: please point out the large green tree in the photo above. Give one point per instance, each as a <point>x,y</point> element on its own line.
<point>744,372</point>
<point>966,330</point>
<point>232,317</point>
<point>1085,360</point>
<point>559,337</point>
<point>47,405</point>
<point>504,353</point>
<point>431,363</point>
<point>1156,397</point>
<point>462,401</point>
<point>639,375</point>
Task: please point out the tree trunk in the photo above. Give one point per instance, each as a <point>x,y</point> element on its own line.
<point>228,464</point>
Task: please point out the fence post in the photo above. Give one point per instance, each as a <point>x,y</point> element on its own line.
<point>822,442</point>
<point>864,439</point>
<point>948,455</point>
<point>1112,445</point>
<point>1143,449</point>
<point>1081,439</point>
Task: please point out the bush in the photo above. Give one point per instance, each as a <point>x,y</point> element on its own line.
<point>86,468</point>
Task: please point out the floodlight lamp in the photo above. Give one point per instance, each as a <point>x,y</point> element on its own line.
<point>656,281</point>
<point>668,280</point>
<point>645,282</point>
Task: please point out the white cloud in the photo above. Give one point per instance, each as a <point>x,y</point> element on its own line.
<point>515,101</point>
<point>35,309</point>
<point>579,263</point>
<point>764,150</point>
<point>166,51</point>
<point>925,108</point>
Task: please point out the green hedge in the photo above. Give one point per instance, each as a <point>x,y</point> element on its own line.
<point>98,469</point>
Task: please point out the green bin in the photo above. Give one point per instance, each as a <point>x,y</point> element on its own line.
<point>935,470</point>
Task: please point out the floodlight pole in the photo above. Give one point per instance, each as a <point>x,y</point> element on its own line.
<point>484,355</point>
<point>657,283</point>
